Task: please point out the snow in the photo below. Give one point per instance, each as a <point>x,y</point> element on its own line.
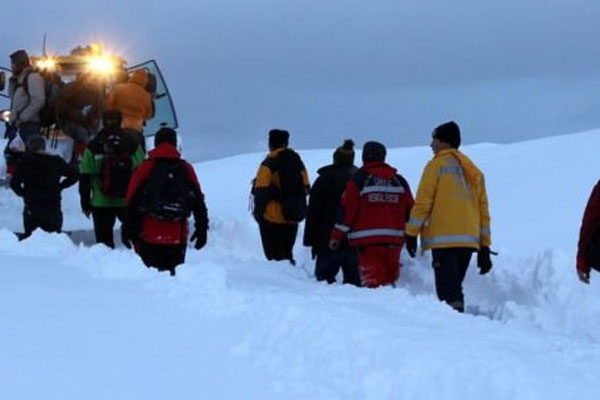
<point>82,321</point>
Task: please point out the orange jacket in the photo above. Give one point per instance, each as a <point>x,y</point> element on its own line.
<point>132,99</point>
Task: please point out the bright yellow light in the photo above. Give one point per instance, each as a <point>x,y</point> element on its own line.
<point>96,48</point>
<point>101,65</point>
<point>46,64</point>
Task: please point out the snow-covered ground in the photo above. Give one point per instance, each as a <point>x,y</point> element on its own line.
<point>83,322</point>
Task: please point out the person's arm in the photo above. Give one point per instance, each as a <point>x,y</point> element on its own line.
<point>424,202</point>
<point>347,212</point>
<point>314,212</point>
<point>71,176</point>
<point>262,191</point>
<point>590,222</point>
<point>17,183</point>
<point>485,233</point>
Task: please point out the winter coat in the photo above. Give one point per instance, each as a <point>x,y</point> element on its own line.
<point>267,185</point>
<point>151,230</point>
<point>72,100</point>
<point>451,208</point>
<point>375,207</point>
<point>40,178</point>
<point>589,228</point>
<point>323,205</point>
<point>90,187</point>
<point>24,107</point>
<point>133,100</point>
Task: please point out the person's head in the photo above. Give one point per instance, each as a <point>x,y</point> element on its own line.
<point>140,77</point>
<point>373,151</point>
<point>36,143</point>
<point>278,138</point>
<point>344,155</point>
<point>165,135</point>
<point>111,119</point>
<point>19,60</point>
<point>445,136</point>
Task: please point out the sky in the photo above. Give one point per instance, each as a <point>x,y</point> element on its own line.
<point>387,70</point>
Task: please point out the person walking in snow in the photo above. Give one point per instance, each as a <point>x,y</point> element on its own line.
<point>374,209</point>
<point>106,168</point>
<point>279,191</point>
<point>40,178</point>
<point>324,202</point>
<point>588,248</point>
<point>164,191</point>
<point>451,215</point>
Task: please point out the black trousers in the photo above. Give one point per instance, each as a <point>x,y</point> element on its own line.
<point>104,223</point>
<point>49,220</point>
<point>163,258</point>
<point>450,267</point>
<point>278,240</point>
<point>329,262</point>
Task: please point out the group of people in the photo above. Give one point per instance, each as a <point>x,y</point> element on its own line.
<point>152,195</point>
<point>358,219</point>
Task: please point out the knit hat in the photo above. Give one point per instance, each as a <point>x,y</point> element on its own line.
<point>344,155</point>
<point>165,135</point>
<point>111,119</point>
<point>278,138</point>
<point>36,143</point>
<point>448,132</point>
<point>20,58</point>
<point>373,151</point>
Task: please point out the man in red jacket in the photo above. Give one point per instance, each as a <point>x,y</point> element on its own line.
<point>588,249</point>
<point>162,193</point>
<point>374,209</point>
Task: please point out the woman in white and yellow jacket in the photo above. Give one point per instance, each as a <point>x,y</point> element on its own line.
<point>451,214</point>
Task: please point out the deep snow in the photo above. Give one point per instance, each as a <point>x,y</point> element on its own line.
<point>87,322</point>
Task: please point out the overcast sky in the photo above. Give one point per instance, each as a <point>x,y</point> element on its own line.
<point>329,69</point>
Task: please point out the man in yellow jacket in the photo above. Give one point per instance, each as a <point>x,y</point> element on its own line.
<point>451,214</point>
<point>280,191</point>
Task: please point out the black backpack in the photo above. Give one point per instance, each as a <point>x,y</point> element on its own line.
<point>53,86</point>
<point>167,193</point>
<point>117,166</point>
<point>292,192</point>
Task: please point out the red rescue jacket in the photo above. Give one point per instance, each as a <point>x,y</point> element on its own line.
<point>374,207</point>
<point>153,230</point>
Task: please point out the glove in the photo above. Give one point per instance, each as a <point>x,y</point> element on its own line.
<point>199,236</point>
<point>334,244</point>
<point>484,261</point>
<point>86,208</point>
<point>411,245</point>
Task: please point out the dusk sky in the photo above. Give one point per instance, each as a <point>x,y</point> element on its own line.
<point>388,70</point>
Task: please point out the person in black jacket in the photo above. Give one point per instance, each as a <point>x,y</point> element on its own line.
<point>40,178</point>
<point>323,207</point>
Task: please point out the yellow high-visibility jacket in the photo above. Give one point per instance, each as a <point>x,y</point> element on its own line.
<point>451,208</point>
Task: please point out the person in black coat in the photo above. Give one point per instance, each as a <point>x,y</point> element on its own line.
<point>40,178</point>
<point>323,207</point>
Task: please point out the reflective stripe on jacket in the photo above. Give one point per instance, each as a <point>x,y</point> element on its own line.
<point>451,208</point>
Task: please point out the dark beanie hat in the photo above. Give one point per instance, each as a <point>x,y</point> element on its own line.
<point>373,151</point>
<point>112,119</point>
<point>36,143</point>
<point>344,155</point>
<point>165,135</point>
<point>278,138</point>
<point>448,133</point>
<point>20,58</point>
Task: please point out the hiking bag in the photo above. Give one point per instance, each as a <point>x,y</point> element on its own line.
<point>117,166</point>
<point>52,86</point>
<point>292,192</point>
<point>166,194</point>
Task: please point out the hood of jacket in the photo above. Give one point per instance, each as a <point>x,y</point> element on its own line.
<point>164,150</point>
<point>473,175</point>
<point>380,169</point>
<point>332,168</point>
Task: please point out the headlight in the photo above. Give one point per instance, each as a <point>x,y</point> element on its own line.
<point>46,64</point>
<point>101,66</point>
<point>5,116</point>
